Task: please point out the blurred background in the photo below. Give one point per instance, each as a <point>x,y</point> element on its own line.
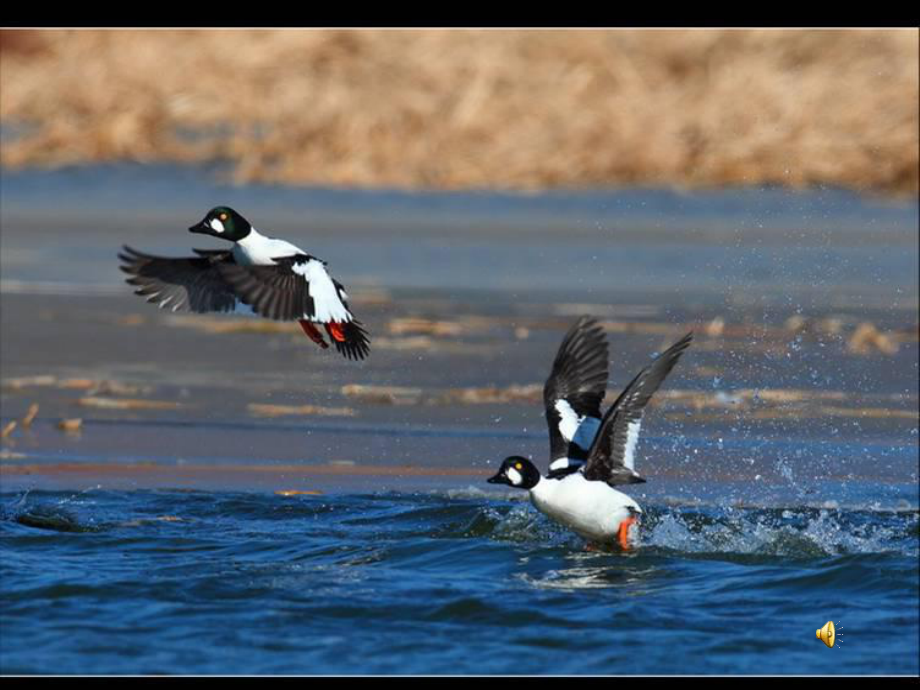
<point>488,109</point>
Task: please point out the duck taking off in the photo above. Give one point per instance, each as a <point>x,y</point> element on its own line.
<point>274,278</point>
<point>590,454</point>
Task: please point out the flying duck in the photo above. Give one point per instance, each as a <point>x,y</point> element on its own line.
<point>274,278</point>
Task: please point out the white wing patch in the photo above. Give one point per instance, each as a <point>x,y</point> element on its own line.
<point>564,463</point>
<point>574,429</point>
<point>326,303</point>
<point>632,437</point>
<point>568,424</point>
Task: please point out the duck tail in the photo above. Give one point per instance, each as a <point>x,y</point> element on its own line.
<point>349,338</point>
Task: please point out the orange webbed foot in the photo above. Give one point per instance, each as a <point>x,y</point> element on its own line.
<point>623,534</point>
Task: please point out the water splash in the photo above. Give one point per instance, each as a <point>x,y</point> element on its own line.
<point>700,530</point>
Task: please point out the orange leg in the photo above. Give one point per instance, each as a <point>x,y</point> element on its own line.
<point>335,331</point>
<point>623,534</point>
<point>310,330</point>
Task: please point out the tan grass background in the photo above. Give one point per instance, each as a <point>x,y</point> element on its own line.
<point>481,109</point>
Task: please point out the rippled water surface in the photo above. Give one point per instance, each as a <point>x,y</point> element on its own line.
<point>161,530</point>
<point>444,582</point>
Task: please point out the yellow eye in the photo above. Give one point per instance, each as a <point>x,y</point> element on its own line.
<point>223,216</point>
<point>518,466</point>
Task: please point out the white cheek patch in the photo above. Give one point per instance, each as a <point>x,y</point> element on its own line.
<point>217,226</point>
<point>515,476</point>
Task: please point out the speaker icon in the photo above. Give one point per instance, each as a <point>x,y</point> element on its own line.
<point>827,634</point>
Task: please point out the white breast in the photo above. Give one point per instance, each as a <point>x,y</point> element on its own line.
<point>593,510</point>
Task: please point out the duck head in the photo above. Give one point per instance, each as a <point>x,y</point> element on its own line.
<point>518,472</point>
<point>225,223</point>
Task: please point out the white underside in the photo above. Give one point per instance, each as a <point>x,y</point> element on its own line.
<point>256,249</point>
<point>592,510</point>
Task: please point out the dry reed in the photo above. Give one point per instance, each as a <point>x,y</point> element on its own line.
<point>475,108</point>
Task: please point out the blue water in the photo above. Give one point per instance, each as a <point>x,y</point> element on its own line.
<point>769,245</point>
<point>759,528</point>
<point>444,582</point>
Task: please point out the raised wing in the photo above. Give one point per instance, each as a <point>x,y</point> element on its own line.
<point>573,393</point>
<point>188,283</point>
<point>612,456</point>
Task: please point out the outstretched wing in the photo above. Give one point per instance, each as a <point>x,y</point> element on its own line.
<point>274,291</point>
<point>294,287</point>
<point>573,393</point>
<point>188,283</point>
<point>612,456</point>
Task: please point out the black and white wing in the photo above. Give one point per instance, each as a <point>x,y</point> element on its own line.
<point>354,342</point>
<point>294,287</point>
<point>298,287</point>
<point>612,456</point>
<point>275,291</point>
<point>573,393</point>
<point>188,283</point>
